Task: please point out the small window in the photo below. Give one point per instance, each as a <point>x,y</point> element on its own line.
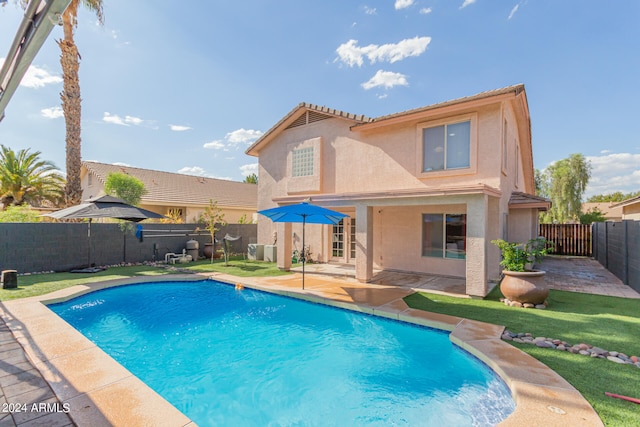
<point>90,179</point>
<point>302,162</point>
<point>444,235</point>
<point>446,147</point>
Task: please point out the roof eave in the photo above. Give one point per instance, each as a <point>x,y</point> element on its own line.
<point>292,116</point>
<point>442,108</point>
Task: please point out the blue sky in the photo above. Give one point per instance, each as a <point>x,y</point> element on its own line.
<point>187,88</point>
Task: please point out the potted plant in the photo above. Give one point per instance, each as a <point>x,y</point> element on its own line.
<point>522,283</point>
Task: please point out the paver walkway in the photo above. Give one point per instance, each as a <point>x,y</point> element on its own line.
<point>26,399</point>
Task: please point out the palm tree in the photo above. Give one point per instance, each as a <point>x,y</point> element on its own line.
<point>24,178</point>
<point>70,95</point>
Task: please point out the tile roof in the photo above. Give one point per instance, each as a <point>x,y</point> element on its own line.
<point>523,200</point>
<point>296,112</point>
<point>178,189</point>
<point>362,120</point>
<point>627,202</point>
<point>517,89</point>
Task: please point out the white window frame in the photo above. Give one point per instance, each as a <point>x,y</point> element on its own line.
<point>473,146</point>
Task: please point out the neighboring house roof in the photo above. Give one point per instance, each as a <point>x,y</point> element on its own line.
<point>166,188</point>
<point>628,202</point>
<point>608,209</point>
<point>520,200</point>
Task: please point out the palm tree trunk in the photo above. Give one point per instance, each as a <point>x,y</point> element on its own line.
<point>70,96</point>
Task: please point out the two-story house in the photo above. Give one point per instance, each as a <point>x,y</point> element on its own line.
<point>425,190</point>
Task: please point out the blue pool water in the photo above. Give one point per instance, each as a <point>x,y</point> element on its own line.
<point>228,357</point>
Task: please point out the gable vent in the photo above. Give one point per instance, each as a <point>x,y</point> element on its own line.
<point>308,117</point>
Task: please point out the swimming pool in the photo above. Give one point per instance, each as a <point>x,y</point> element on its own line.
<point>227,357</point>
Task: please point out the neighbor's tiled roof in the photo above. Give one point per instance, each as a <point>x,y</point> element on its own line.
<point>627,202</point>
<point>178,189</point>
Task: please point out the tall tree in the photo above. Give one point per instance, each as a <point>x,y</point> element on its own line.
<point>70,95</point>
<point>127,187</point>
<point>564,182</point>
<point>251,179</point>
<point>26,179</point>
<point>618,196</point>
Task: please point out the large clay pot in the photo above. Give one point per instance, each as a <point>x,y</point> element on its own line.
<point>207,250</point>
<point>525,286</point>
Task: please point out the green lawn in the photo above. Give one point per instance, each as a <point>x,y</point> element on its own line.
<point>40,284</point>
<point>237,267</point>
<point>608,322</point>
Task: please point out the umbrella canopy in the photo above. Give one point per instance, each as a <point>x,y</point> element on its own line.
<point>105,207</point>
<point>305,213</point>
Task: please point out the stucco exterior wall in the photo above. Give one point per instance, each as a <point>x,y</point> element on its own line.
<point>523,225</point>
<point>631,211</point>
<point>376,170</point>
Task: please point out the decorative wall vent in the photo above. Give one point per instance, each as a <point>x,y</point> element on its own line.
<point>308,117</point>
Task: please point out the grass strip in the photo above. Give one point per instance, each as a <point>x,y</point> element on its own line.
<point>40,284</point>
<point>610,323</point>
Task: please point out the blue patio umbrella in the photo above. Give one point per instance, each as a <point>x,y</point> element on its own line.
<point>305,213</point>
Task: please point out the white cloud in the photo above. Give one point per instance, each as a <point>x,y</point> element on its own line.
<point>370,10</point>
<point>179,128</point>
<point>426,10</point>
<point>117,120</point>
<point>513,11</point>
<point>249,169</point>
<point>467,3</point>
<point>36,77</point>
<point>352,54</point>
<point>238,138</point>
<point>386,79</point>
<point>605,151</point>
<point>217,145</point>
<point>243,136</point>
<point>195,170</point>
<point>613,172</point>
<point>52,113</point>
<point>401,4</point>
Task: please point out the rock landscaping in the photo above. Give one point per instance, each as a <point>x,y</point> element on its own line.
<point>518,304</point>
<point>582,348</point>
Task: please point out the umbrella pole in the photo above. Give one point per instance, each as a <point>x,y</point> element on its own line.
<point>89,241</point>
<point>304,256</point>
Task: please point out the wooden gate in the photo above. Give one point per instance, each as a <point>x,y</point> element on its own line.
<point>568,239</point>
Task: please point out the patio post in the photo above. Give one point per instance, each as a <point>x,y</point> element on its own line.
<point>364,243</point>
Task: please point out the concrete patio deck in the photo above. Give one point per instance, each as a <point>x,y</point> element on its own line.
<point>45,361</point>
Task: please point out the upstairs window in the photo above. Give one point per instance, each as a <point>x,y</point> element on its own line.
<point>302,162</point>
<point>446,147</point>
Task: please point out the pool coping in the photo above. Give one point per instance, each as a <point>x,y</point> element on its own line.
<point>102,392</point>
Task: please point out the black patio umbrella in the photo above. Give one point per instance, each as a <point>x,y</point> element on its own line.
<point>305,213</point>
<point>104,207</point>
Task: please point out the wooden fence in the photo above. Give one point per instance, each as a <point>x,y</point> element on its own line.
<point>568,239</point>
